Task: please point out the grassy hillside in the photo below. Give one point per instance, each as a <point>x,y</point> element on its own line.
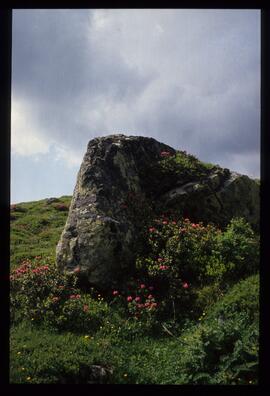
<point>204,331</point>
<point>36,228</point>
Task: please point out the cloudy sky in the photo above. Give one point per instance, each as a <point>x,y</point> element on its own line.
<point>189,78</point>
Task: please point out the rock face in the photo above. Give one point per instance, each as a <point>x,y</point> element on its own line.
<point>122,181</point>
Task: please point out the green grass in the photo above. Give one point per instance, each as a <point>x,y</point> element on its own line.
<point>36,230</point>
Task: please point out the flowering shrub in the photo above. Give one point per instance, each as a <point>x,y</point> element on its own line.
<point>185,256</point>
<point>42,294</point>
<point>138,301</point>
<point>17,208</point>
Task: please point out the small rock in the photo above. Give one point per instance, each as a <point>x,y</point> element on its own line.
<point>51,200</point>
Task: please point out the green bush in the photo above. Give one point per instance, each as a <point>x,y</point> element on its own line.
<point>236,254</point>
<point>224,348</point>
<point>185,165</point>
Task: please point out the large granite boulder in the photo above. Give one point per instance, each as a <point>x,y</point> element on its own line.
<point>123,182</point>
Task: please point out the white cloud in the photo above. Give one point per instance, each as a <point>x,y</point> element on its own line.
<point>70,157</point>
<point>27,137</point>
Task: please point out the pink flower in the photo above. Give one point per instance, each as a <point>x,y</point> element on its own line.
<point>165,154</point>
<point>76,270</point>
<point>163,267</point>
<point>55,299</point>
<point>153,305</point>
<point>185,285</point>
<point>85,308</point>
<point>142,286</point>
<point>193,225</point>
<point>137,299</point>
<point>129,298</point>
<point>164,222</point>
<point>75,296</point>
<point>140,306</point>
<point>150,296</point>
<point>115,293</point>
<point>152,229</point>
<point>174,222</point>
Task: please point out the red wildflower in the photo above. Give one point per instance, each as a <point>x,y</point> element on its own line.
<point>142,286</point>
<point>137,299</point>
<point>164,222</point>
<point>115,293</point>
<point>152,229</point>
<point>165,154</point>
<point>129,298</point>
<point>185,285</point>
<point>150,296</point>
<point>55,299</point>
<point>75,296</point>
<point>163,267</point>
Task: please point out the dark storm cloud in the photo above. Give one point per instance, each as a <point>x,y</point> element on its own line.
<point>56,64</point>
<point>189,78</point>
